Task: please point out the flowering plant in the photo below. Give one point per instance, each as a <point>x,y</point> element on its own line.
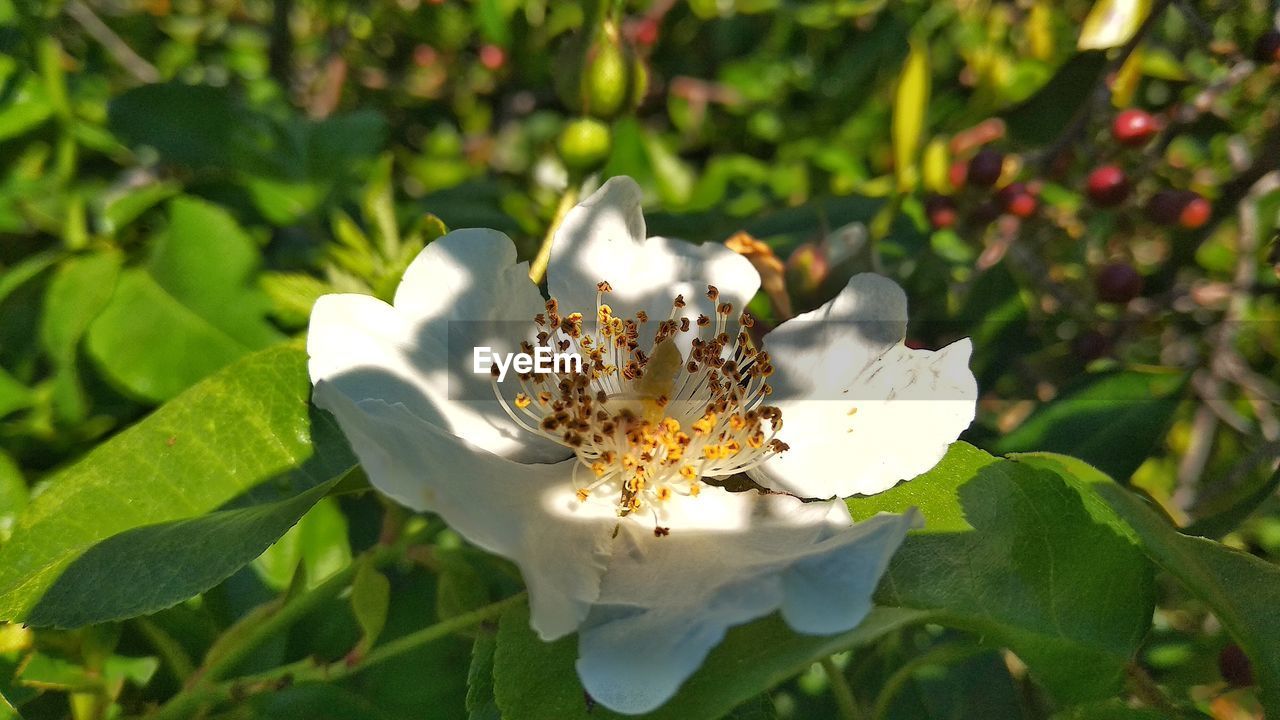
<point>609,484</point>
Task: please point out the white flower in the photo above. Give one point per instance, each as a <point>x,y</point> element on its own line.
<point>604,486</point>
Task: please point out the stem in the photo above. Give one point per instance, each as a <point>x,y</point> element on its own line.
<point>1146,690</point>
<point>118,49</point>
<point>846,704</point>
<point>217,665</point>
<point>175,656</point>
<point>538,269</point>
<point>187,703</point>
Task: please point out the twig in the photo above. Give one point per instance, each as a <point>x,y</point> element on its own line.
<point>186,704</point>
<point>1081,119</point>
<point>538,268</point>
<point>846,704</point>
<point>131,61</point>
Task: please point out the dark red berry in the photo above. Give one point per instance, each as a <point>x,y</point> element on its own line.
<point>1165,207</point>
<point>1133,127</point>
<point>1118,283</point>
<point>1235,666</point>
<point>1018,200</point>
<point>1107,186</point>
<point>1195,213</point>
<point>1091,345</point>
<point>985,167</point>
<point>941,211</point>
<point>1267,48</point>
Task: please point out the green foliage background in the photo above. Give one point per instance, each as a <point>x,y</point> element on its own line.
<point>181,179</point>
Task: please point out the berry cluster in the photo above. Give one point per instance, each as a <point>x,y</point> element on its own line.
<point>1109,186</point>
<point>983,173</point>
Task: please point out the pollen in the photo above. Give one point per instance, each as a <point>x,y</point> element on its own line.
<point>657,405</point>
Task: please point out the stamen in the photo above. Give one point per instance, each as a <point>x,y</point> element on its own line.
<point>644,419</point>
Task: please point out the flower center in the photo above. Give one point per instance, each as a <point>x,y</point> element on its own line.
<point>650,423</point>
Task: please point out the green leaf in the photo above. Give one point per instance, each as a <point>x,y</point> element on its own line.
<point>198,489</point>
<point>1089,420</point>
<point>54,673</point>
<point>461,587</point>
<point>78,292</point>
<point>1112,23</point>
<point>153,346</point>
<point>210,264</point>
<point>192,125</point>
<point>13,494</point>
<point>370,600</point>
<point>1041,118</point>
<point>318,543</point>
<point>1224,513</point>
<point>535,680</point>
<point>121,210</point>
<point>1026,558</point>
<point>910,102</point>
<point>481,704</point>
<point>1242,590</point>
<point>14,395</point>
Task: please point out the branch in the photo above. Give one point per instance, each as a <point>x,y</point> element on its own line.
<point>131,61</point>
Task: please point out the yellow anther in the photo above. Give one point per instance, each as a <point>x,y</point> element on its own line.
<point>583,494</point>
<point>705,424</point>
<point>599,468</point>
<point>664,493</point>
<point>688,473</point>
<point>737,422</point>
<point>523,401</point>
<point>755,440</point>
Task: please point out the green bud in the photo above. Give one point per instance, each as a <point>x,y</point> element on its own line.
<point>584,144</point>
<point>603,79</point>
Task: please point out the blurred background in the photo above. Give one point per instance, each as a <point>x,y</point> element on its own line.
<point>1088,189</point>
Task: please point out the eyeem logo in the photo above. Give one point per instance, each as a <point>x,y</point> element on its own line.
<point>542,360</point>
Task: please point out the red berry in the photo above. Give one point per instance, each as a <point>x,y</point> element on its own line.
<point>646,32</point>
<point>1018,200</point>
<point>1267,48</point>
<point>957,174</point>
<point>985,167</point>
<point>1107,186</point>
<point>492,56</point>
<point>1118,283</point>
<point>1195,213</point>
<point>1133,127</point>
<point>941,211</point>
<point>1023,206</point>
<point>1235,666</point>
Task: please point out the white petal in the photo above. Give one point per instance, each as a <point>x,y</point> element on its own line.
<point>527,513</point>
<point>666,601</point>
<point>860,410</point>
<point>464,286</point>
<point>603,238</point>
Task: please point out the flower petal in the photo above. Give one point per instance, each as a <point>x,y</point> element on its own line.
<point>666,601</point>
<point>466,284</point>
<point>603,238</point>
<point>527,513</point>
<point>860,410</point>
